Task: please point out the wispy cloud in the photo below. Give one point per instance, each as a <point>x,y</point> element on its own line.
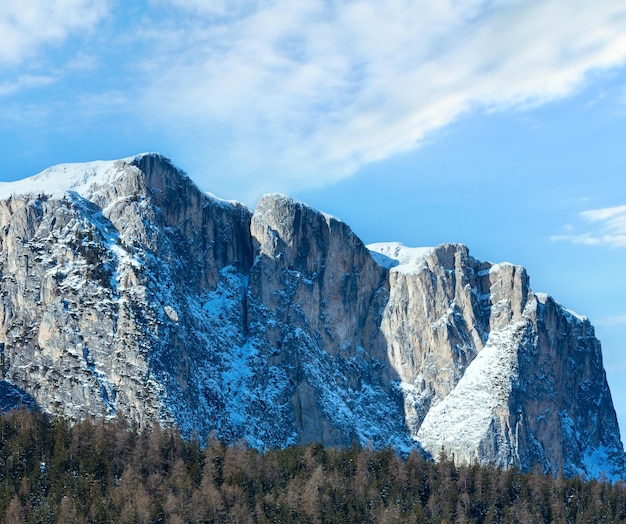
<point>326,87</point>
<point>608,228</point>
<point>283,95</point>
<point>26,26</point>
<point>24,82</point>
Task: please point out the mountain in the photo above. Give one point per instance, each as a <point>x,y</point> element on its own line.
<point>126,291</point>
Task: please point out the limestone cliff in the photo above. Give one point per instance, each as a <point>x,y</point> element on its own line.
<point>99,282</point>
<point>124,290</point>
<point>492,371</point>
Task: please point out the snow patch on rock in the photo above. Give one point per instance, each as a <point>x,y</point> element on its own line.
<point>463,420</point>
<point>398,257</point>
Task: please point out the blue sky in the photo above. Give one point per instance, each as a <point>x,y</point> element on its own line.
<point>500,124</point>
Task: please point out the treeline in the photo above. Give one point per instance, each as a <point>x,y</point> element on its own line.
<point>95,471</point>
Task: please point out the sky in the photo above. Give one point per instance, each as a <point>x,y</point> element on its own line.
<point>500,124</point>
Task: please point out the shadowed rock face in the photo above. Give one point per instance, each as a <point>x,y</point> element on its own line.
<point>131,292</point>
<point>315,299</point>
<point>88,280</point>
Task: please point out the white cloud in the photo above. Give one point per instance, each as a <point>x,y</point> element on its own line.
<point>26,26</point>
<point>215,7</point>
<point>615,216</point>
<point>283,94</point>
<point>24,82</point>
<point>315,87</point>
<point>609,228</point>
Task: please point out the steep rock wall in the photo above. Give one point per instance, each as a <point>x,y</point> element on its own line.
<point>315,300</point>
<point>124,290</point>
<point>97,286</point>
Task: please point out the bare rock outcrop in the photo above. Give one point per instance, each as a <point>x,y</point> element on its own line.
<point>124,290</point>
<point>492,372</point>
<point>315,300</point>
<point>89,274</point>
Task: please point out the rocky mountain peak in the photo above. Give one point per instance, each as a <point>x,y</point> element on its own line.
<point>125,290</point>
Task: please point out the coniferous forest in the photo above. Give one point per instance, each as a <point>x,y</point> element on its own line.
<point>96,471</point>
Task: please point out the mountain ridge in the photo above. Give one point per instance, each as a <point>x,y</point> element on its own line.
<point>129,291</point>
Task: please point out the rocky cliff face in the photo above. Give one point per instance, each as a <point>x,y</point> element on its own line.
<point>491,369</point>
<point>125,290</point>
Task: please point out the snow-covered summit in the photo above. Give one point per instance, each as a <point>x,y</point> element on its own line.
<point>396,256</point>
<point>79,177</point>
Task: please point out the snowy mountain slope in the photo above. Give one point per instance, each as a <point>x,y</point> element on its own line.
<point>57,181</point>
<point>125,290</point>
<point>88,285</point>
<point>468,420</point>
